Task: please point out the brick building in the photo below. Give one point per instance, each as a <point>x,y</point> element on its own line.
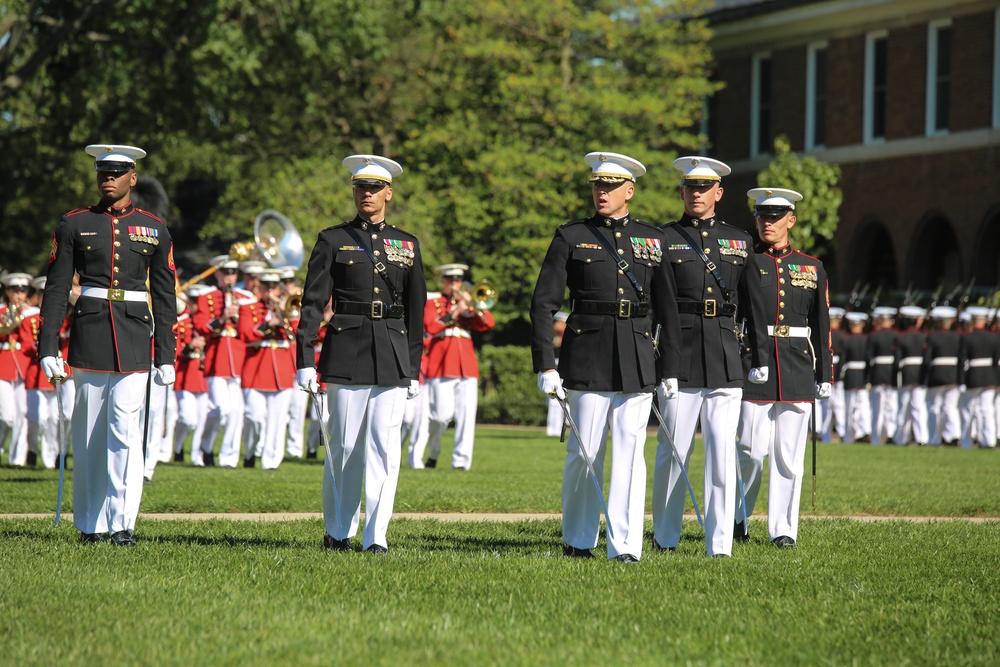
<point>903,94</point>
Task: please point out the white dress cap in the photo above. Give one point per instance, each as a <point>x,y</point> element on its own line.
<point>701,171</point>
<point>270,277</point>
<point>372,169</point>
<point>39,283</point>
<point>977,311</point>
<point>856,316</point>
<point>613,167</point>
<point>114,157</point>
<point>451,269</point>
<point>837,311</point>
<point>253,267</point>
<point>775,198</point>
<point>943,312</point>
<point>912,311</point>
<point>17,280</point>
<point>287,272</point>
<point>884,311</point>
<point>224,262</point>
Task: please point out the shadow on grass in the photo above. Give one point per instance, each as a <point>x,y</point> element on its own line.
<point>30,480</point>
<point>218,541</point>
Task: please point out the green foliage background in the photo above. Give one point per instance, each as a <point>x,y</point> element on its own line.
<point>251,105</point>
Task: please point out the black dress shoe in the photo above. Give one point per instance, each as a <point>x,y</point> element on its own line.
<point>147,480</point>
<point>122,538</point>
<point>573,552</point>
<point>91,538</point>
<point>311,454</point>
<point>208,458</point>
<point>656,546</point>
<point>178,457</point>
<point>740,533</point>
<point>784,542</point>
<point>337,545</point>
<point>431,463</point>
<point>250,461</point>
<point>32,459</point>
<point>626,558</point>
<point>377,549</point>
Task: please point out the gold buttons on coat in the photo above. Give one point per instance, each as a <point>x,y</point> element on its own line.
<point>781,304</point>
<point>376,253</point>
<point>708,251</point>
<point>621,291</point>
<point>117,256</point>
<point>89,248</point>
<point>618,235</point>
<point>118,231</point>
<point>116,283</point>
<point>781,292</point>
<point>781,317</point>
<point>708,289</point>
<point>620,251</point>
<point>116,269</point>
<point>704,233</point>
<point>781,280</point>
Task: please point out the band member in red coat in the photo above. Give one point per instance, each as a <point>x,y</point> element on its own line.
<point>216,319</point>
<point>191,388</point>
<point>452,371</point>
<point>268,374</point>
<point>13,368</point>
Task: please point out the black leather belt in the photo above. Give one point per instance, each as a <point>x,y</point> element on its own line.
<point>623,309</point>
<point>707,308</point>
<point>376,310</point>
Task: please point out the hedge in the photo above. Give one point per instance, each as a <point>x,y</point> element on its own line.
<point>508,393</point>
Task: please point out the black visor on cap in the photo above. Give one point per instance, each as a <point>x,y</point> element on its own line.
<point>698,182</point>
<point>113,167</point>
<point>369,182</point>
<point>765,211</point>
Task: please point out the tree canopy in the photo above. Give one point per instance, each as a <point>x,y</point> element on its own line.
<point>251,105</point>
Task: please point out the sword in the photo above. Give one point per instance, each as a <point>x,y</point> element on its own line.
<point>583,454</point>
<point>58,381</point>
<point>680,462</point>
<point>329,454</point>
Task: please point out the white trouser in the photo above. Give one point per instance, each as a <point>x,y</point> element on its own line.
<point>857,414</point>
<point>911,419</point>
<point>554,418</point>
<point>416,425</point>
<point>107,450</point>
<point>225,412</point>
<point>884,407</point>
<point>167,436</point>
<point>43,422</point>
<point>779,431</point>
<point>944,420</point>
<point>13,420</point>
<point>298,403</point>
<point>626,417</point>
<point>978,418</point>
<point>453,398</point>
<point>364,428</point>
<point>838,405</point>
<point>719,411</point>
<point>191,410</point>
<point>158,401</point>
<point>265,422</point>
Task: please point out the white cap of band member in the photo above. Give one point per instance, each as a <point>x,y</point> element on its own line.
<point>287,272</point>
<point>943,312</point>
<point>613,167</point>
<point>17,280</point>
<point>270,277</point>
<point>837,311</point>
<point>114,157</point>
<point>912,311</point>
<point>451,270</point>
<point>701,171</point>
<point>561,316</point>
<point>224,262</point>
<point>372,169</point>
<point>39,283</point>
<point>978,312</point>
<point>254,267</point>
<point>773,200</point>
<point>856,316</point>
<point>884,312</point>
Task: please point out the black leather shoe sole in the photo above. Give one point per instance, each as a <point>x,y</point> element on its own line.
<point>377,549</point>
<point>336,545</point>
<point>657,547</point>
<point>208,459</point>
<point>250,462</point>
<point>91,538</point>
<point>626,558</point>
<point>122,538</point>
<point>783,542</point>
<point>179,457</point>
<point>573,552</point>
<point>310,455</point>
<point>740,533</point>
<point>431,463</point>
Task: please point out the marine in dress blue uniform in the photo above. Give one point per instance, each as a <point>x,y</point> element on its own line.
<point>607,368</point>
<point>883,362</point>
<point>943,377</point>
<point>775,415</point>
<point>371,354</point>
<point>704,381</point>
<point>115,247</point>
<point>977,357</point>
<point>911,418</point>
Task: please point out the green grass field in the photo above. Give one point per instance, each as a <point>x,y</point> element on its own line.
<point>236,592</point>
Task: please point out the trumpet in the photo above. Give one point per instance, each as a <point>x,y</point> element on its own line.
<point>482,295</point>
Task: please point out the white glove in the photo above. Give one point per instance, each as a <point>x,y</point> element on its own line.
<point>550,383</point>
<point>164,375</point>
<point>413,390</point>
<point>52,367</point>
<point>306,379</point>
<point>961,388</point>
<point>758,375</point>
<point>668,388</point>
<point>824,390</point>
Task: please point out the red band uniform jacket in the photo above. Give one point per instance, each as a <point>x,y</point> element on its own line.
<point>111,249</point>
<point>605,352</point>
<point>710,354</point>
<point>225,351</point>
<point>382,345</point>
<point>16,348</point>
<point>796,291</point>
<point>450,350</point>
<point>190,374</point>
<point>270,360</point>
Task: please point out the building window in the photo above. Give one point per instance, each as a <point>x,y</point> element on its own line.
<point>760,105</point>
<point>816,92</point>
<point>996,69</point>
<point>938,76</point>
<point>875,80</point>
<point>710,122</point>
